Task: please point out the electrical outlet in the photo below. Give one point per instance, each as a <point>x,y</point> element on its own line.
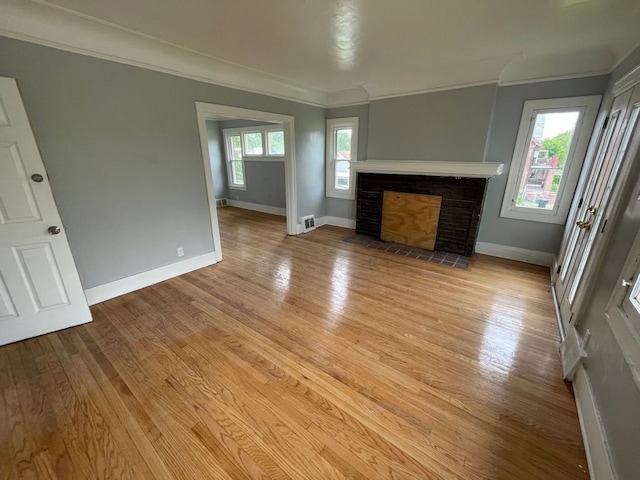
<point>180,251</point>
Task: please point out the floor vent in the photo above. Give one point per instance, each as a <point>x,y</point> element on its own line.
<point>308,223</point>
<point>223,202</point>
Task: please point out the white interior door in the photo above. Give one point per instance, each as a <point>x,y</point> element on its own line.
<point>596,202</point>
<point>40,290</point>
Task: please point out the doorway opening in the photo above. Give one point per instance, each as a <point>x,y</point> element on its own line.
<point>242,145</point>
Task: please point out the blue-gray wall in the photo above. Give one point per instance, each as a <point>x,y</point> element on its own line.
<point>544,237</point>
<point>616,393</point>
<point>216,155</point>
<point>121,147</point>
<point>447,126</point>
<point>264,178</point>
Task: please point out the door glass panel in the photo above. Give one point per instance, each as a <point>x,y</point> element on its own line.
<point>604,200</point>
<point>549,147</point>
<point>603,149</point>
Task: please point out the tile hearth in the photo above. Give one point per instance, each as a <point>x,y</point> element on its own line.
<point>442,258</point>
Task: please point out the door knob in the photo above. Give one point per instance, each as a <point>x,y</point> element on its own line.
<point>53,230</point>
<point>583,225</point>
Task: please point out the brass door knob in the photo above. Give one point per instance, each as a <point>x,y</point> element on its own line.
<point>583,225</point>
<point>54,230</point>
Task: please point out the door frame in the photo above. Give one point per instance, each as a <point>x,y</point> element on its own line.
<point>212,111</point>
<point>629,81</point>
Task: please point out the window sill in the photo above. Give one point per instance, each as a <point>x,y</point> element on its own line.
<point>341,194</point>
<point>237,187</point>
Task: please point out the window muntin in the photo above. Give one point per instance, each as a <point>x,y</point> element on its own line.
<point>342,144</point>
<point>550,148</point>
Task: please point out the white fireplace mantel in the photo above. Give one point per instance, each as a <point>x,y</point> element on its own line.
<point>420,167</point>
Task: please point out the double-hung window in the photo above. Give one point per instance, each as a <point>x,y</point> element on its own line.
<point>261,143</point>
<point>342,147</point>
<point>550,149</point>
<point>235,162</point>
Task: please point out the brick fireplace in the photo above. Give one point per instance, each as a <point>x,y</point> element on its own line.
<point>461,186</point>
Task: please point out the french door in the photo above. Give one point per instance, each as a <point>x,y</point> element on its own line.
<point>583,238</point>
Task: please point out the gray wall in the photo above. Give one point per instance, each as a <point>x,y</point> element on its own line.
<point>121,146</point>
<point>336,207</point>
<point>616,393</point>
<point>264,179</point>
<point>448,126</point>
<point>216,155</point>
<point>544,237</point>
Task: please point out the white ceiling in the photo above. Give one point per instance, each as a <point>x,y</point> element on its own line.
<point>331,52</point>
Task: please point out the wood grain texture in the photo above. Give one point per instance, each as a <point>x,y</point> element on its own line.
<point>300,358</point>
<point>410,219</point>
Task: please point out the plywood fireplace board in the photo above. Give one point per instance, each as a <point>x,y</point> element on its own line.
<point>410,219</point>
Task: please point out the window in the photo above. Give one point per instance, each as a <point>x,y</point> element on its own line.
<point>275,142</point>
<point>247,144</point>
<point>550,149</point>
<point>252,143</point>
<point>235,164</point>
<point>342,147</point>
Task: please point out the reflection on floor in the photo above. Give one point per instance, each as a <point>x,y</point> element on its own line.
<point>442,258</point>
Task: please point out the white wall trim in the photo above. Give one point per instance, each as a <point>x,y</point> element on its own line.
<point>628,81</point>
<point>210,111</point>
<point>258,207</point>
<point>595,440</point>
<point>423,167</point>
<point>514,253</point>
<point>141,280</point>
<point>336,222</point>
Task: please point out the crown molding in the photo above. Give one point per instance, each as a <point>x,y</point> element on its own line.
<point>62,29</point>
<point>39,22</point>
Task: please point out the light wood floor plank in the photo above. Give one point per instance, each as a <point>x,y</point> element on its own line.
<point>300,358</point>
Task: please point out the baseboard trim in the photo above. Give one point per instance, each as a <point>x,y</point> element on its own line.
<point>258,208</point>
<point>116,288</point>
<point>514,253</point>
<point>336,222</point>
<point>595,440</point>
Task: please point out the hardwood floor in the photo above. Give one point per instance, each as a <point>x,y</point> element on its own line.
<point>303,358</point>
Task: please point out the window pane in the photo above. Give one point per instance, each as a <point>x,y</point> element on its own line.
<point>237,172</point>
<point>275,143</point>
<point>548,151</point>
<point>343,144</point>
<point>253,143</point>
<point>342,175</point>
<point>236,147</point>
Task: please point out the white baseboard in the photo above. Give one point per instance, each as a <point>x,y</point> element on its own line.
<point>259,208</point>
<point>593,434</point>
<point>336,222</point>
<point>515,253</point>
<point>135,282</point>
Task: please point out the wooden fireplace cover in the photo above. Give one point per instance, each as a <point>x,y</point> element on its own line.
<point>410,219</point>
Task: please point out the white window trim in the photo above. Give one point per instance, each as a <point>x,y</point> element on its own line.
<point>227,134</point>
<point>266,143</point>
<point>334,124</point>
<point>588,107</point>
<point>249,130</point>
<point>265,157</point>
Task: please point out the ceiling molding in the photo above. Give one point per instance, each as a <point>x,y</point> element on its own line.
<point>62,29</point>
<point>53,26</point>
